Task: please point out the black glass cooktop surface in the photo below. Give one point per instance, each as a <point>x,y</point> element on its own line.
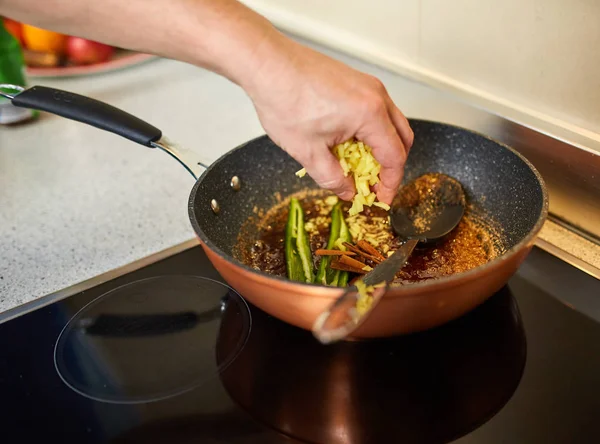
<point>168,354</point>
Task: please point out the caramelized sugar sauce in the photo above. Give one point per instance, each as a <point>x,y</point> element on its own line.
<point>471,244</point>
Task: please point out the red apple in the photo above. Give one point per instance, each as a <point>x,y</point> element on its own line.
<point>14,28</point>
<point>82,51</point>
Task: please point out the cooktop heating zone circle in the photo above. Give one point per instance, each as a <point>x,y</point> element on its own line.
<point>151,339</point>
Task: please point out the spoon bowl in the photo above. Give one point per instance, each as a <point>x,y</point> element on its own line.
<point>428,208</point>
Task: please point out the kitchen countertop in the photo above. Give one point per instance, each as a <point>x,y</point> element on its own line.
<point>76,202</point>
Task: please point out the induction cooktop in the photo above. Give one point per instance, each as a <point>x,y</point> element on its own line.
<point>169,353</point>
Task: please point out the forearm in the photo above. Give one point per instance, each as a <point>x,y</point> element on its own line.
<point>221,35</point>
<point>305,101</point>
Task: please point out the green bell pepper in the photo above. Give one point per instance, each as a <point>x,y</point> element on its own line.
<point>298,257</point>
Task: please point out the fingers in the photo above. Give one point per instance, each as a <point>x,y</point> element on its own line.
<point>326,171</point>
<point>390,152</point>
<point>402,126</point>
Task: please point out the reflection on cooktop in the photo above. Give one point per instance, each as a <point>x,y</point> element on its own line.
<point>150,339</point>
<point>464,382</point>
<point>456,377</point>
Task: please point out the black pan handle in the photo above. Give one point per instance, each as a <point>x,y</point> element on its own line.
<point>86,110</point>
<point>103,116</point>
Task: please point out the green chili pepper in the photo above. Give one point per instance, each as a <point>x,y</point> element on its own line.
<point>339,230</point>
<point>345,236</point>
<point>298,257</point>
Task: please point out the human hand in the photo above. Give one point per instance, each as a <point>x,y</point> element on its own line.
<point>308,103</point>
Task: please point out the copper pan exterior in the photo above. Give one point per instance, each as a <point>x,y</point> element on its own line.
<point>508,187</point>
<point>402,310</point>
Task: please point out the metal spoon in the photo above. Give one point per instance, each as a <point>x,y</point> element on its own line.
<point>425,210</point>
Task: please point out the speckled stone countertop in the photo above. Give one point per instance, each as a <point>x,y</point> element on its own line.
<point>76,202</point>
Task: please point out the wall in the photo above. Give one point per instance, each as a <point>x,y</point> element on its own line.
<point>534,60</point>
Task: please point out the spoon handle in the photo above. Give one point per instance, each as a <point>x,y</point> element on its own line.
<point>386,271</point>
<point>351,309</point>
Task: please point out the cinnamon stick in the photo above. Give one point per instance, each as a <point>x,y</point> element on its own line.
<point>324,252</point>
<point>337,265</point>
<point>352,262</point>
<point>361,253</point>
<point>367,247</point>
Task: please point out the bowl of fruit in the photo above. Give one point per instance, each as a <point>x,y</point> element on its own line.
<point>51,54</point>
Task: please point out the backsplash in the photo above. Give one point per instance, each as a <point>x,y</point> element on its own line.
<point>538,59</point>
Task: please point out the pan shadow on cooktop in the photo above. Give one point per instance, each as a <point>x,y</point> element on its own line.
<point>427,387</point>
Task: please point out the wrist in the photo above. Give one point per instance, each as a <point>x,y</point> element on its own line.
<point>268,59</point>
<point>263,64</point>
<point>239,44</point>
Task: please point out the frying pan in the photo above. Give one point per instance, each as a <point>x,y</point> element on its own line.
<point>500,183</point>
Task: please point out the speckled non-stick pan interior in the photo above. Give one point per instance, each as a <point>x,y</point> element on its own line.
<point>498,182</point>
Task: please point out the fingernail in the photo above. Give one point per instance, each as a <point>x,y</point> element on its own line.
<point>385,195</point>
<point>346,195</point>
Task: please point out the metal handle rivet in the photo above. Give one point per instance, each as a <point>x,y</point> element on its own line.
<point>236,183</point>
<point>214,205</point>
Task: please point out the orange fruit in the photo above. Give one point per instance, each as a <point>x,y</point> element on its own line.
<point>38,39</point>
<point>14,28</point>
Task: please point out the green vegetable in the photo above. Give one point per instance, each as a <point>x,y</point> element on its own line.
<point>338,233</point>
<point>298,257</point>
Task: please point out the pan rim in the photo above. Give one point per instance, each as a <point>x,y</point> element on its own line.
<point>396,291</point>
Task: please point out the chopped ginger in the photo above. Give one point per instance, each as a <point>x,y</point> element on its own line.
<point>356,158</point>
<point>364,302</point>
<point>331,200</point>
<point>385,206</point>
<point>365,296</point>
